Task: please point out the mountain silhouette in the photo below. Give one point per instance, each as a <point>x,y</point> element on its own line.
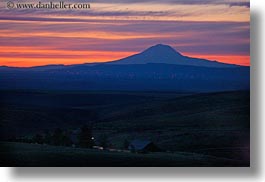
<point>167,55</point>
<point>159,68</point>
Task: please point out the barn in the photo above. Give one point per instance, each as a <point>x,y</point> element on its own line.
<point>143,146</point>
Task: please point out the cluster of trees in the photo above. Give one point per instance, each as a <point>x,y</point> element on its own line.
<point>82,138</point>
<point>59,137</point>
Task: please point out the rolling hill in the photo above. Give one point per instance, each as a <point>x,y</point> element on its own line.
<point>215,124</point>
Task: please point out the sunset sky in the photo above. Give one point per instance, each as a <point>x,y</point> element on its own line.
<point>113,29</point>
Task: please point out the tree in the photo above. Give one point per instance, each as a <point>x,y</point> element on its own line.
<point>48,138</point>
<point>66,141</point>
<point>38,139</point>
<point>126,144</point>
<point>85,137</point>
<point>57,137</point>
<point>103,141</point>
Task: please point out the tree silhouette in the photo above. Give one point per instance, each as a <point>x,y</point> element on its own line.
<point>103,141</point>
<point>48,138</point>
<point>85,137</point>
<point>57,137</point>
<point>38,139</point>
<point>126,144</point>
<point>66,141</point>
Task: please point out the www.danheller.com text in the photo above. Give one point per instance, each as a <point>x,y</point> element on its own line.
<point>46,5</point>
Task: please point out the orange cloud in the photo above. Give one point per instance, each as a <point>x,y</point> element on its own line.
<point>101,35</point>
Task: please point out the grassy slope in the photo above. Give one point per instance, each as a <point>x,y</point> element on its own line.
<point>205,120</point>
<point>215,124</point>
<point>26,112</point>
<point>17,154</point>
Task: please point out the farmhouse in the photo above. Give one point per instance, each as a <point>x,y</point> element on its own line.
<point>143,146</point>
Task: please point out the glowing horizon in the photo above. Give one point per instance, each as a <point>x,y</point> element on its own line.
<point>82,59</point>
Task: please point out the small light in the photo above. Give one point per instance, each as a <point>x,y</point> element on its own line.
<point>92,138</point>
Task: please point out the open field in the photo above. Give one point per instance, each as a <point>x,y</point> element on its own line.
<point>17,154</point>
